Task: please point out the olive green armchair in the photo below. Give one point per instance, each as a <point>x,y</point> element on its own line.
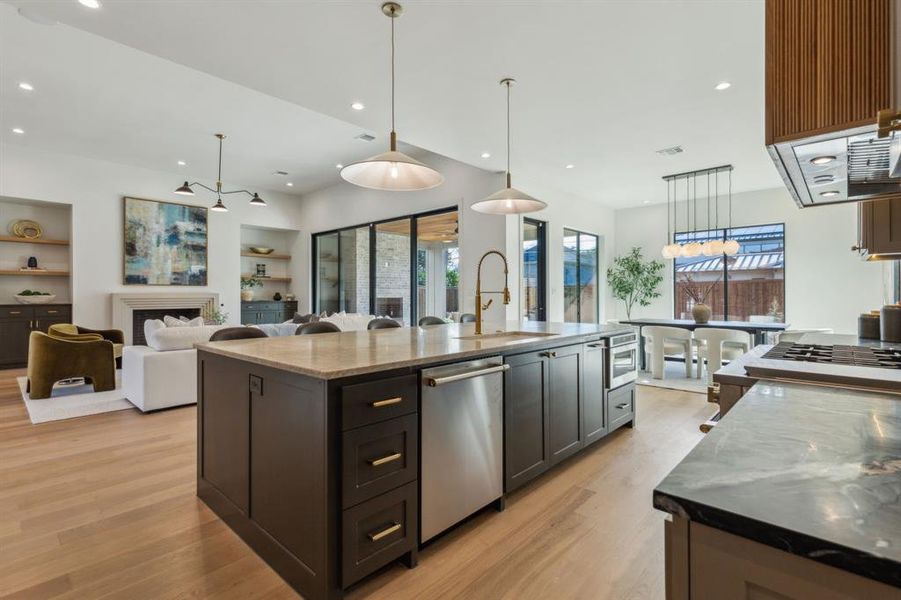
<point>68,331</point>
<point>52,359</point>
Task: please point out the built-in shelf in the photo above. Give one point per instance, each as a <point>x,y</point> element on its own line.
<point>18,240</point>
<point>273,256</point>
<point>265,279</point>
<point>47,273</point>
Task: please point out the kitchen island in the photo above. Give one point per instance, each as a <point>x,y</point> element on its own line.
<point>796,493</point>
<point>311,448</point>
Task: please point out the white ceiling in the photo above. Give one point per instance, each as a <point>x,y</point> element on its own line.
<point>601,85</point>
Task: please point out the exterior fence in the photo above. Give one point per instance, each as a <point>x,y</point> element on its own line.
<point>749,297</point>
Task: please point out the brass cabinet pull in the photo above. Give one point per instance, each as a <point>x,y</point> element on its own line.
<point>549,354</point>
<point>385,459</point>
<point>622,406</point>
<point>15,312</point>
<point>51,312</point>
<point>386,402</point>
<point>374,537</point>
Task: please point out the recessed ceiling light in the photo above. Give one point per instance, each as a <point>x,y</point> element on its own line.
<point>723,85</point>
<point>486,155</point>
<point>647,201</point>
<point>829,193</point>
<point>822,160</point>
<point>24,85</point>
<point>181,163</point>
<point>18,130</point>
<point>289,184</point>
<point>570,166</point>
<point>90,3</point>
<point>339,166</point>
<point>358,106</point>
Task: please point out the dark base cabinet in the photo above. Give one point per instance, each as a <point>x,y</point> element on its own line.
<point>17,321</point>
<point>556,404</point>
<point>267,311</point>
<point>319,478</point>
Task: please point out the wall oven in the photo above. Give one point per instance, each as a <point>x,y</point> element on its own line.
<point>622,360</point>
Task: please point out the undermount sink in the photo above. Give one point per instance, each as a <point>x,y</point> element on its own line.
<point>521,335</point>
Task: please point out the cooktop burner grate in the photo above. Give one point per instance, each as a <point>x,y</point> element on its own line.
<point>857,356</point>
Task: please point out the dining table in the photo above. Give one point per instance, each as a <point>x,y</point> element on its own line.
<point>758,330</point>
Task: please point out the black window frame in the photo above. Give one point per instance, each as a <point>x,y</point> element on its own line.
<point>726,231</point>
<point>597,275</point>
<point>541,266</point>
<point>371,225</point>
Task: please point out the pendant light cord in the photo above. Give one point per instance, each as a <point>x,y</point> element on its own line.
<point>393,17</point>
<point>219,176</point>
<point>508,134</point>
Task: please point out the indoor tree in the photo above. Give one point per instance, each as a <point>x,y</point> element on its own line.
<point>634,280</point>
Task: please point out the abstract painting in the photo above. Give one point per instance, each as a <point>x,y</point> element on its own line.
<point>165,243</point>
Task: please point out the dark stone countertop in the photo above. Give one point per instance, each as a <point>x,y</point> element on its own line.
<point>810,470</point>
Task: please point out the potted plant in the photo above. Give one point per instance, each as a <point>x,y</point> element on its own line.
<point>247,285</point>
<point>634,280</point>
<point>698,294</point>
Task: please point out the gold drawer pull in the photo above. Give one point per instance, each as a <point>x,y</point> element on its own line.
<point>385,459</point>
<point>387,402</point>
<point>52,312</point>
<point>374,537</point>
<point>15,312</point>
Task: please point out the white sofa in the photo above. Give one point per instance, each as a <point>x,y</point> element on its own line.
<point>164,373</point>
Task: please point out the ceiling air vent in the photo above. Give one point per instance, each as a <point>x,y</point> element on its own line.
<point>670,151</point>
<point>280,173</point>
<point>365,137</point>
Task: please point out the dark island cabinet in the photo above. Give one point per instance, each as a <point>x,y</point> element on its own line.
<point>526,413</point>
<point>565,384</point>
<point>594,409</point>
<point>17,321</point>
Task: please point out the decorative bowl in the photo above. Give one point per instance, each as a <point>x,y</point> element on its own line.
<point>261,250</point>
<point>44,299</point>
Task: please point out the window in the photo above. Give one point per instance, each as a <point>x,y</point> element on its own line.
<point>580,276</point>
<point>749,286</point>
<point>534,259</point>
<point>378,269</point>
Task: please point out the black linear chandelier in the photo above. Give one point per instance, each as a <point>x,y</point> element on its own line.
<point>185,189</point>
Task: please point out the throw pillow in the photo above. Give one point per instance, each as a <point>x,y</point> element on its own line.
<point>173,322</point>
<point>310,318</point>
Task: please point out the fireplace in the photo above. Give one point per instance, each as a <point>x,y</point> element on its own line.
<point>157,304</point>
<point>390,307</point>
<point>138,316</point>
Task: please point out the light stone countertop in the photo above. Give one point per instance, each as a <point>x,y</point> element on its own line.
<point>336,355</point>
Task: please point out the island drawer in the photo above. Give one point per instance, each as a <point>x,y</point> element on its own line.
<point>378,532</point>
<point>620,405</point>
<point>378,458</point>
<point>375,401</point>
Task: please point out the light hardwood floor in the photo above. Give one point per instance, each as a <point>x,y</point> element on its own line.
<point>104,507</point>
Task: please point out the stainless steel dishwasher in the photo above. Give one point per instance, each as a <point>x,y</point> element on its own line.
<point>462,454</point>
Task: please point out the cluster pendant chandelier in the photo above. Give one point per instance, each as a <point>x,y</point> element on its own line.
<point>392,170</point>
<point>692,247</point>
<point>185,188</point>
<point>508,201</point>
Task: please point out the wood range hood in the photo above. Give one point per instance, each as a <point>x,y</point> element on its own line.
<point>833,68</point>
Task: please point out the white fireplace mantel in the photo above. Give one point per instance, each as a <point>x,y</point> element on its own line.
<point>124,305</point>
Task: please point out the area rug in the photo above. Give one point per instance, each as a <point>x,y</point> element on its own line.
<point>674,379</point>
<point>70,401</point>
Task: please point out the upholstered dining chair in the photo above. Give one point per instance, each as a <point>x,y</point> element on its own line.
<point>467,318</point>
<point>68,331</point>
<point>52,359</point>
<point>661,341</point>
<point>714,345</point>
<point>383,323</point>
<point>431,321</point>
<point>237,333</point>
<point>317,327</point>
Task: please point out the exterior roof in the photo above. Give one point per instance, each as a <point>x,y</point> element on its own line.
<point>739,262</point>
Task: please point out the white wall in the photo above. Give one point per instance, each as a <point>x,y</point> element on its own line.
<point>95,190</point>
<point>826,285</point>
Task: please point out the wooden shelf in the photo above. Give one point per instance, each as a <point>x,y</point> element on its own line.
<point>273,256</point>
<point>18,240</point>
<point>47,273</point>
<point>265,279</point>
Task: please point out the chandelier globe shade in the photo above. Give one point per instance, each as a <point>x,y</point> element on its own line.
<point>392,171</point>
<point>731,247</point>
<point>716,247</point>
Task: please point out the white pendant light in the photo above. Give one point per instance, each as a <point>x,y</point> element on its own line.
<point>508,201</point>
<point>392,170</point>
<point>731,246</point>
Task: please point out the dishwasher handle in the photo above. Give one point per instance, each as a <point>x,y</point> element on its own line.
<point>436,381</point>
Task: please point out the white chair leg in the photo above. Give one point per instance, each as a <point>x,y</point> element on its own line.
<point>657,357</point>
<point>689,357</point>
<point>700,366</point>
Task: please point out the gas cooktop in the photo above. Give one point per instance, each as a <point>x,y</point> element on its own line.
<point>855,356</point>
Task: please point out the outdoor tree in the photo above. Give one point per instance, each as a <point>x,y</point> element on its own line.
<point>634,280</point>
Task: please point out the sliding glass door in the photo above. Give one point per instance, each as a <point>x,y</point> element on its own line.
<point>580,276</point>
<point>400,268</point>
<point>534,269</point>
